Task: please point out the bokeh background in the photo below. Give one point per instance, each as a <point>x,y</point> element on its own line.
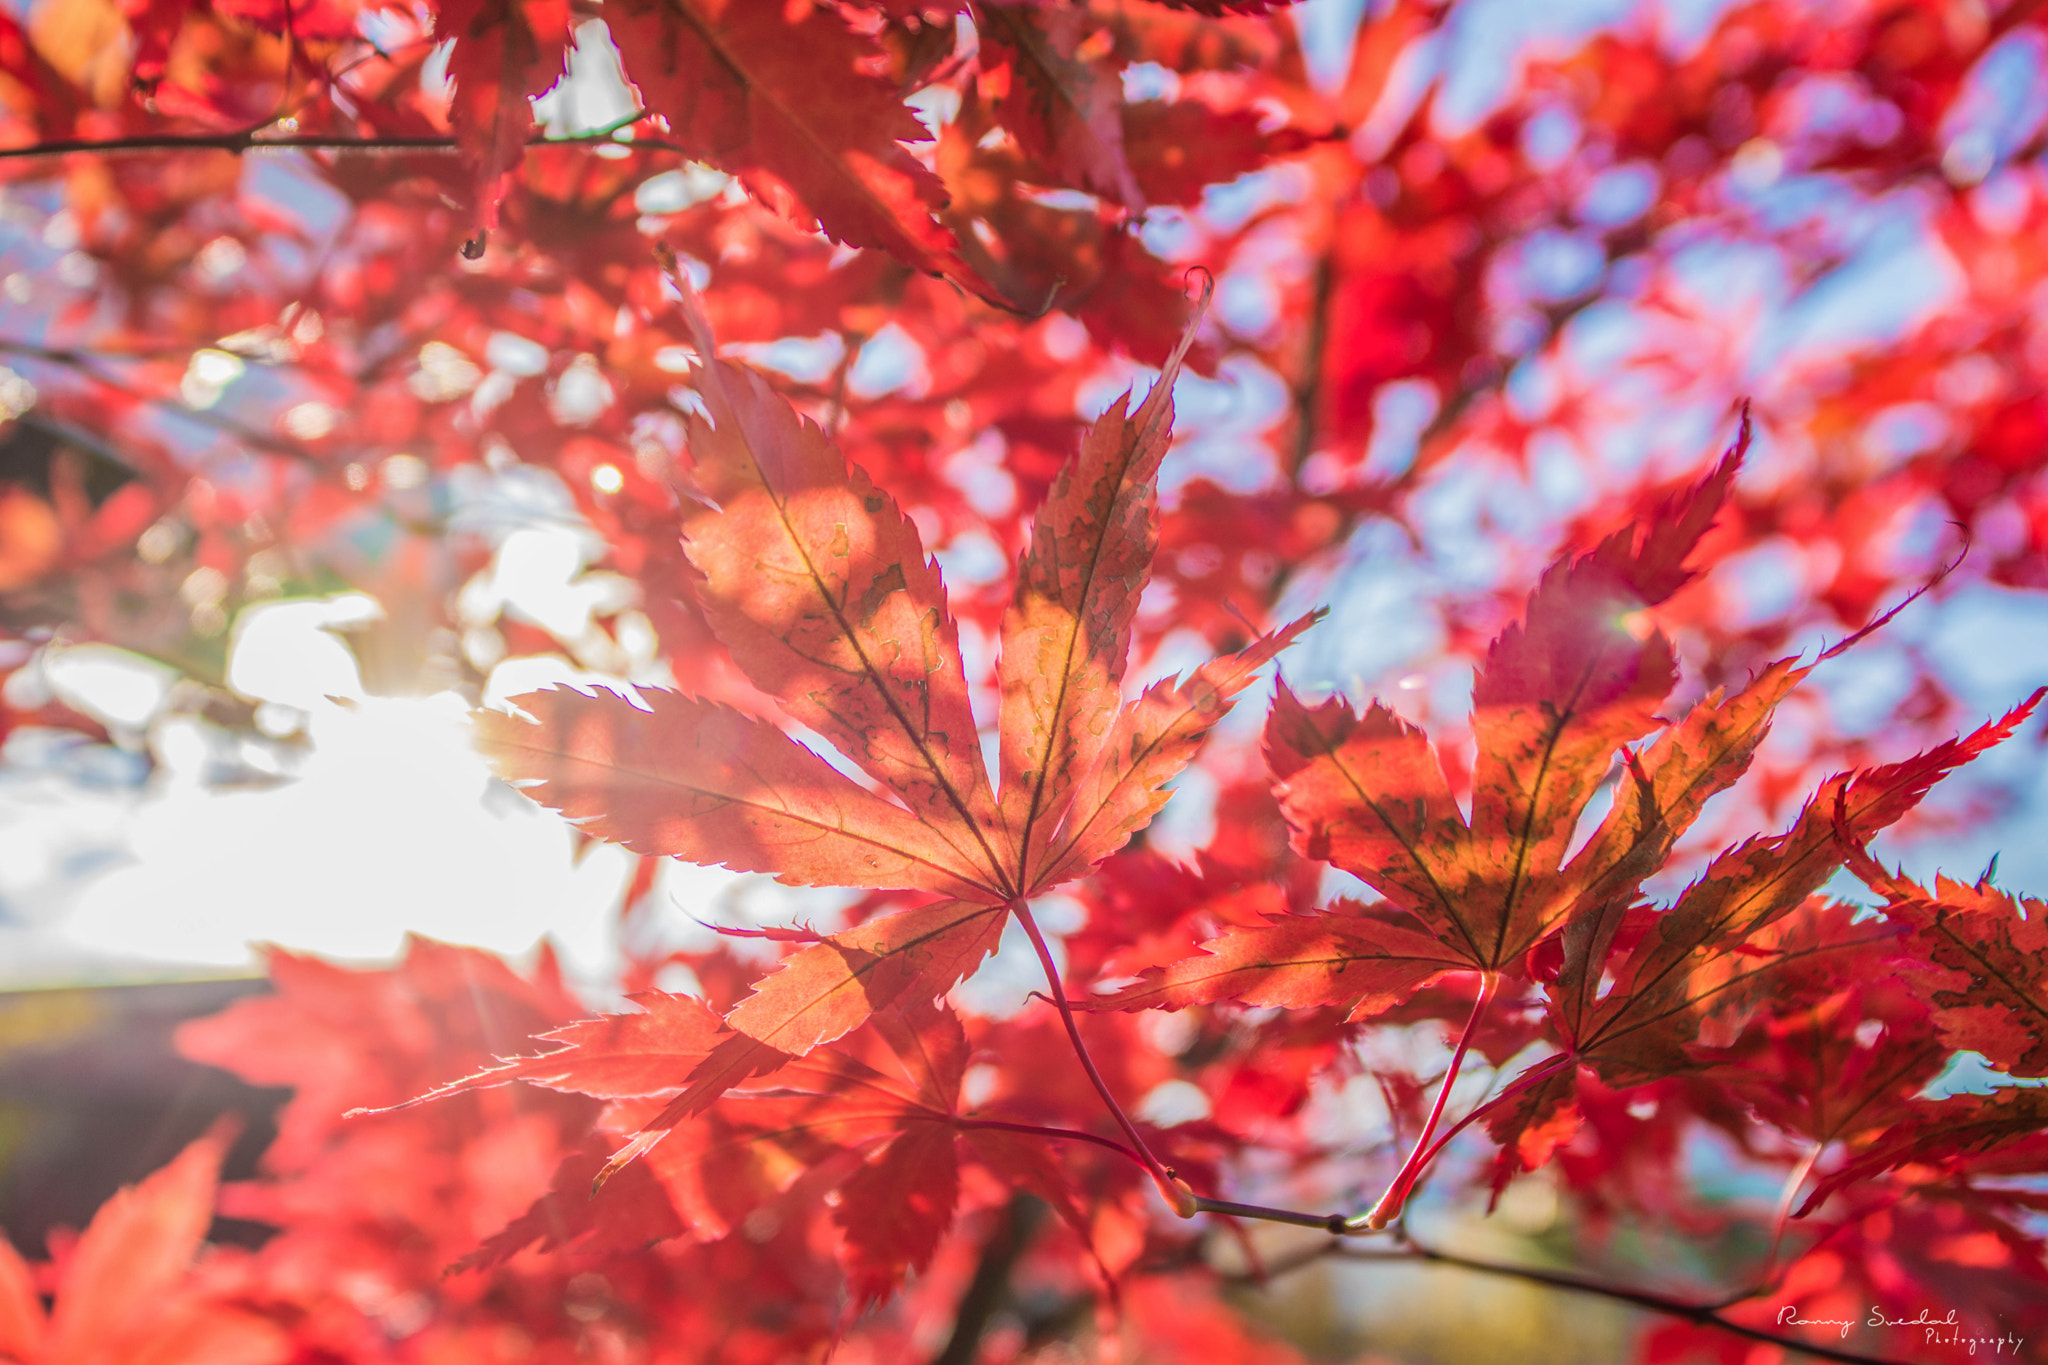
<point>288,484</point>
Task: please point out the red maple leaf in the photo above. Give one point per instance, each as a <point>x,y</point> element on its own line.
<point>129,1290</point>
<point>1975,954</point>
<point>782,100</point>
<point>504,53</point>
<point>820,588</point>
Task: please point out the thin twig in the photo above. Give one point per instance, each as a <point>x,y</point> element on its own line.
<point>253,140</point>
<point>1332,1223</point>
<point>1178,1196</point>
<point>87,364</point>
<point>1185,1201</point>
<point>1704,1315</point>
<point>1308,384</point>
<point>835,409</point>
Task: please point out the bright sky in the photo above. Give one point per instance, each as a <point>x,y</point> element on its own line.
<point>371,819</point>
<point>392,824</point>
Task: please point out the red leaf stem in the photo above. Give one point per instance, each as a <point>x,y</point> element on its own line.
<point>1182,1200</point>
<point>1390,1203</point>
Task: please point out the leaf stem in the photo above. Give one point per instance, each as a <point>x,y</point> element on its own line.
<point>1185,1201</point>
<point>1389,1206</point>
<point>1540,1071</point>
<point>1795,1180</point>
<point>1182,1200</point>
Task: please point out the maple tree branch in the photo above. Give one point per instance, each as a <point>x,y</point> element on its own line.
<point>88,364</point>
<point>1340,1226</point>
<point>252,140</point>
<point>1336,1224</point>
<point>1015,1222</point>
<point>1308,386</point>
<point>1183,1201</point>
<point>1390,1203</point>
<point>1333,1223</point>
<point>1707,1315</point>
<point>1703,1315</point>
<point>1307,393</point>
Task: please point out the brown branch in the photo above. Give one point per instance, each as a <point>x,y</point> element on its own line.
<point>835,410</point>
<point>1333,1223</point>
<point>1706,1315</point>
<point>255,140</point>
<point>990,1286</point>
<point>1308,385</point>
<point>86,363</point>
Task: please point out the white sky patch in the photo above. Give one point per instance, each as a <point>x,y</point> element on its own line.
<point>1002,987</point>
<point>1327,28</point>
<point>288,653</point>
<point>582,394</point>
<point>391,823</point>
<point>674,191</point>
<point>890,361</point>
<point>120,690</point>
<point>1174,1102</point>
<point>393,827</point>
<point>538,575</point>
<point>515,354</point>
<point>594,93</point>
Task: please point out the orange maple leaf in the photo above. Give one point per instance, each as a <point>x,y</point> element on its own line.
<point>820,587</point>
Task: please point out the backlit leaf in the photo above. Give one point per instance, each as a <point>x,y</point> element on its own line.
<point>1067,632</point>
<point>703,782</point>
<point>505,52</point>
<point>780,98</point>
<point>820,587</point>
<point>1340,956</point>
<point>1154,738</point>
<point>1976,954</point>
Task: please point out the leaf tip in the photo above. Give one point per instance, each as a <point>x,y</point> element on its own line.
<point>642,1143</point>
<point>691,303</point>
